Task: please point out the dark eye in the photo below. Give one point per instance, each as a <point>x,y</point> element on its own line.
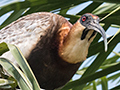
<point>83,18</point>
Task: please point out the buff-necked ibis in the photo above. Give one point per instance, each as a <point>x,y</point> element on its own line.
<point>53,46</point>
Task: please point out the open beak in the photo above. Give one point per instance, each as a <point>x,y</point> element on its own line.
<point>96,26</point>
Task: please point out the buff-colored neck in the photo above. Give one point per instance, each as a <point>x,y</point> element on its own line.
<point>72,49</point>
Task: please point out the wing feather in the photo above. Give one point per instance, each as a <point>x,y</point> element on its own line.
<point>26,31</point>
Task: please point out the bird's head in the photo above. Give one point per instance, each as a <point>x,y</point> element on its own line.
<point>91,22</point>
<point>79,38</point>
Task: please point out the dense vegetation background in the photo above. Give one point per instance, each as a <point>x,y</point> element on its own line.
<point>103,70</point>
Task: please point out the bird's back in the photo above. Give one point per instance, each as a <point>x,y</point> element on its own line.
<point>27,31</point>
<point>35,35</point>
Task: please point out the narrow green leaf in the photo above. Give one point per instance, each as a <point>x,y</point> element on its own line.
<point>104,83</point>
<point>114,36</point>
<point>80,72</point>
<point>9,83</point>
<point>22,62</point>
<point>88,86</point>
<point>14,71</point>
<point>64,11</point>
<point>4,82</point>
<point>98,81</point>
<point>111,13</point>
<point>114,77</point>
<point>7,87</point>
<point>13,79</point>
<point>94,86</point>
<point>108,65</point>
<point>118,54</point>
<point>111,60</point>
<point>3,48</point>
<point>2,73</point>
<point>116,26</point>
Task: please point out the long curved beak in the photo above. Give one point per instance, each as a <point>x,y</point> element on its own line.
<point>96,26</point>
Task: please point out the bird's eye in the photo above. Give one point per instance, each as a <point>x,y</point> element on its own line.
<point>83,18</point>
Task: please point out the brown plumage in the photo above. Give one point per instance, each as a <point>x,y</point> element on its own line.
<point>53,46</point>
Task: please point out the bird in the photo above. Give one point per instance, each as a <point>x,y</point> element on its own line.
<point>53,47</point>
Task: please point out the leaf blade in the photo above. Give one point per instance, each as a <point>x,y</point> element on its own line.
<point>24,65</point>
<point>16,73</point>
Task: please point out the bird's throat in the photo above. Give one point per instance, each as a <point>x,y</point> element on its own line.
<point>72,49</point>
<point>85,32</point>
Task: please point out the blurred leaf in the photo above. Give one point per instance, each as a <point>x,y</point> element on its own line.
<point>98,81</point>
<point>94,86</point>
<point>111,60</point>
<point>105,8</point>
<point>4,82</point>
<point>3,48</point>
<point>14,71</point>
<point>2,73</point>
<point>112,12</point>
<point>64,11</point>
<point>81,71</point>
<point>118,54</point>
<point>108,65</point>
<point>104,83</point>
<point>114,36</point>
<point>15,82</point>
<point>114,77</point>
<point>8,83</point>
